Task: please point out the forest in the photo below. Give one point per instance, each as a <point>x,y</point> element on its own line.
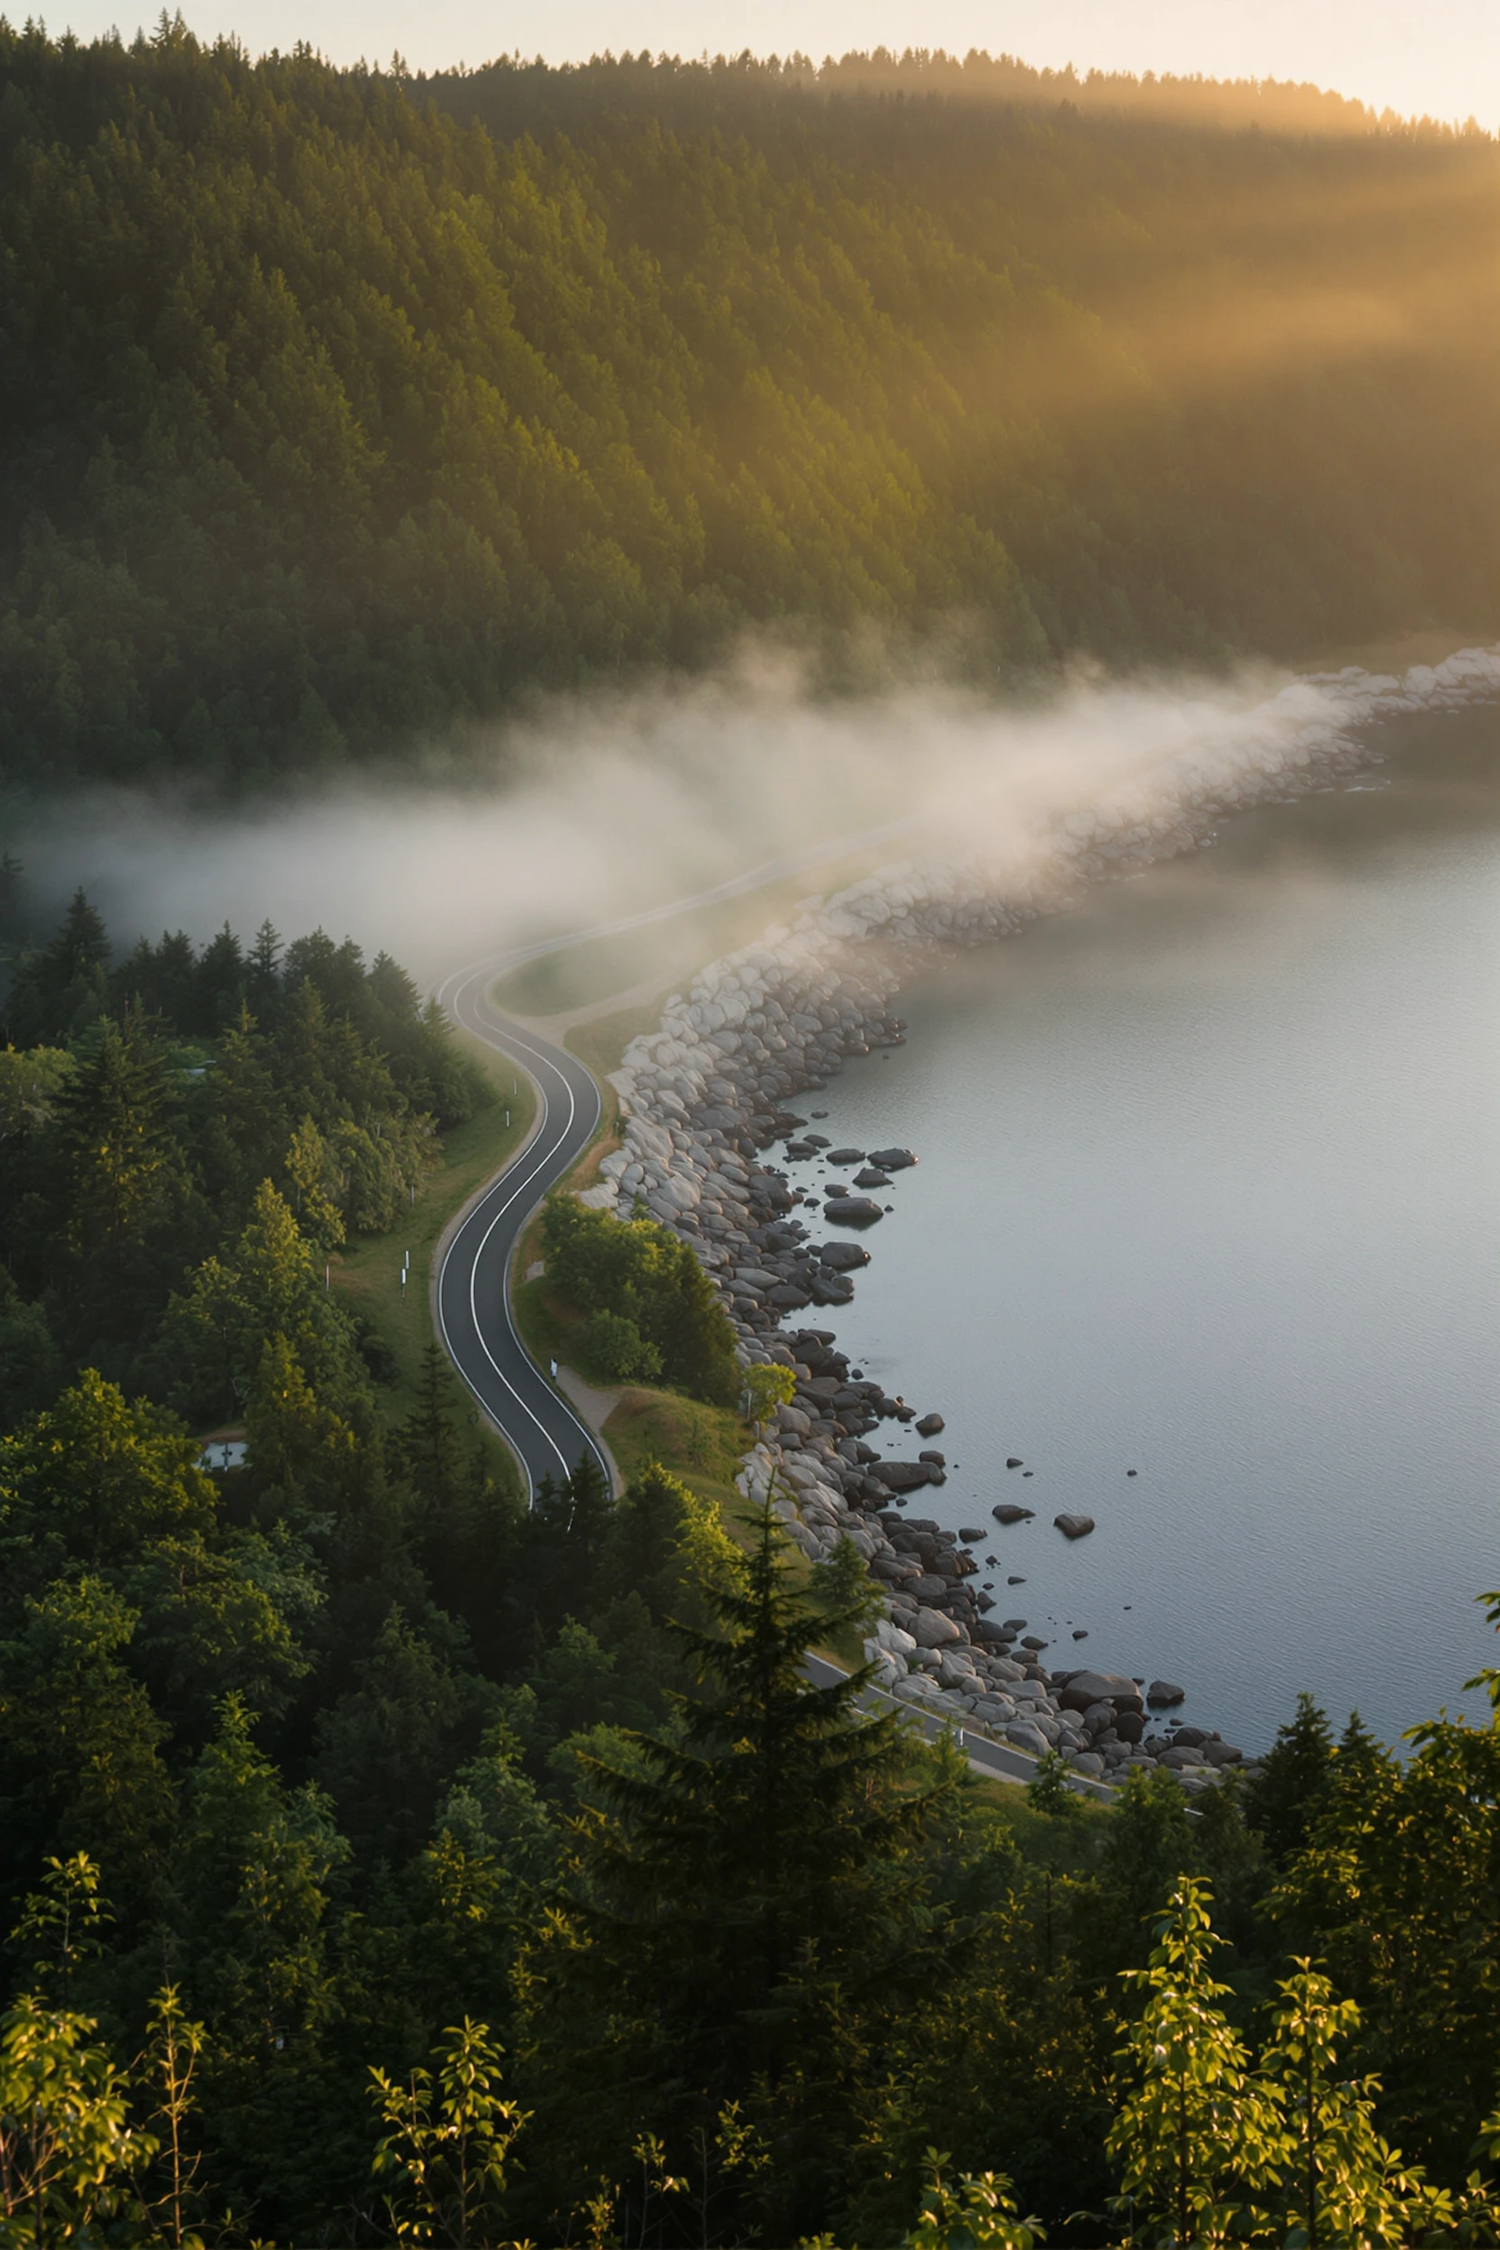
<point>384,1861</point>
<point>341,411</point>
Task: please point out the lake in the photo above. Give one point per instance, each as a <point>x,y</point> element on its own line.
<point>1210,1189</point>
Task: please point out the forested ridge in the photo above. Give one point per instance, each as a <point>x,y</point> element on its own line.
<point>340,409</point>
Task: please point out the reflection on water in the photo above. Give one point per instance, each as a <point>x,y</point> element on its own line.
<point>1210,1189</point>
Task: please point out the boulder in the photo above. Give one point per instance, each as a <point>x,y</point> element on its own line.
<point>1014,1461</point>
<point>892,1159</point>
<point>842,1257</point>
<point>930,1425</point>
<point>933,1458</point>
<point>1087,1688</point>
<point>1130,1726</point>
<point>1086,1762</point>
<point>1216,1753</point>
<point>929,1587</point>
<point>930,1628</point>
<point>1071,1527</point>
<point>970,1534</point>
<point>1027,1735</point>
<point>903,1476</point>
<point>1164,1695</point>
<point>1007,1512</point>
<point>846,1156</point>
<point>1189,1738</point>
<point>870,1178</point>
<point>851,1211</point>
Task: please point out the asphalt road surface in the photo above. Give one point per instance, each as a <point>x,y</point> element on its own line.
<point>473,1304</point>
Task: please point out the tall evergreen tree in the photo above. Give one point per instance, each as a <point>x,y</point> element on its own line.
<point>748,1902</point>
<point>1285,1795</point>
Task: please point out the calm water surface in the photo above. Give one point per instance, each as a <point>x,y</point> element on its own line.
<point>1210,1189</point>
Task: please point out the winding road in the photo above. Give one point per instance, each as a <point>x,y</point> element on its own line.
<point>473,1307</point>
<point>472,1300</point>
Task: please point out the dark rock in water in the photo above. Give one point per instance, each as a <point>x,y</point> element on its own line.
<point>787,1297</point>
<point>1189,1738</point>
<point>1033,1640</point>
<point>851,1211</point>
<point>930,1425</point>
<point>995,1636</point>
<point>1015,1625</point>
<point>817,1140</point>
<point>1008,1512</point>
<point>1132,1472</point>
<point>830,1288</point>
<point>871,1179</point>
<point>1162,1695</point>
<point>934,1459</point>
<point>971,1536</point>
<point>1088,1688</point>
<point>1015,1581</point>
<point>1014,1462</point>
<point>799,1151</point>
<point>984,1600</point>
<point>843,1257</point>
<point>892,1159</point>
<point>1028,1472</point>
<point>903,1476</point>
<point>1081,1634</point>
<point>846,1156</point>
<point>1071,1527</point>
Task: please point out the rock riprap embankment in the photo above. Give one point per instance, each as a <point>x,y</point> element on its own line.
<point>708,1095</point>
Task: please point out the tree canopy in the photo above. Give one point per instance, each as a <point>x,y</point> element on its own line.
<point>338,409</point>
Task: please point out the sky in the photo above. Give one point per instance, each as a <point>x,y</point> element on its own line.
<point>1435,57</point>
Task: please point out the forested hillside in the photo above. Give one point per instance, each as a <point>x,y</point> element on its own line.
<point>337,410</point>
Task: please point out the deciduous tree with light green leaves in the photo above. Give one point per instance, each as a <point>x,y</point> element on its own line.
<point>1197,2137</point>
<point>447,2142</point>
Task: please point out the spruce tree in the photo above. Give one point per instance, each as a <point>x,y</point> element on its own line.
<point>1285,1795</point>
<point>748,1903</point>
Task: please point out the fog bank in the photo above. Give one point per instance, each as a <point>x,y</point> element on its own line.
<point>624,804</point>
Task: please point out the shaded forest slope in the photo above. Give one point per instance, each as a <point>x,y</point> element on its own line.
<point>337,408</point>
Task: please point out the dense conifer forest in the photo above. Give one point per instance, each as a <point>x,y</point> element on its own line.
<point>338,409</point>
<point>383,1861</point>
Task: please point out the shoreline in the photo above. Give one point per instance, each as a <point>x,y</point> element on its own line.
<point>706,1095</point>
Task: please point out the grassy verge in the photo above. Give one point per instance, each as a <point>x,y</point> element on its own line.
<point>369,1271</point>
<point>601,1045</point>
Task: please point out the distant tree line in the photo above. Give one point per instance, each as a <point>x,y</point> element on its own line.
<point>339,409</point>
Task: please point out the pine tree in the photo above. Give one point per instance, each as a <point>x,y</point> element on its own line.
<point>747,1900</point>
<point>1284,1796</point>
